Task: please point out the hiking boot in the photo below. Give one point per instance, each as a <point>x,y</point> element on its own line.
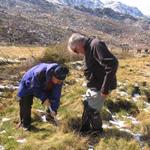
<point>25,127</point>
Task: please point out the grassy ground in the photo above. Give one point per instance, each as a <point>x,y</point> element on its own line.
<point>46,136</point>
<point>20,51</point>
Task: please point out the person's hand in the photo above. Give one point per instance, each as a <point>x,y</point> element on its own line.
<point>53,113</point>
<point>46,103</point>
<point>104,95</point>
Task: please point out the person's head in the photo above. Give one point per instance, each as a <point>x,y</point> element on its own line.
<point>76,43</point>
<point>59,74</point>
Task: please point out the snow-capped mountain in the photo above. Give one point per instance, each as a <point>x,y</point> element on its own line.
<point>92,4</point>
<point>124,9</point>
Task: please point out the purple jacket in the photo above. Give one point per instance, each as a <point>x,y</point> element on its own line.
<point>35,82</point>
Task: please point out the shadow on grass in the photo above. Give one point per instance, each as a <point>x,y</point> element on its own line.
<point>108,134</point>
<point>35,129</point>
<point>74,124</point>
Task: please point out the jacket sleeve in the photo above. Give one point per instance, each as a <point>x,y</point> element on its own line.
<point>37,88</point>
<point>55,97</point>
<point>87,72</point>
<point>110,63</point>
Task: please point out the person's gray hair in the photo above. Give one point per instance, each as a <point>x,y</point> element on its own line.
<point>76,38</point>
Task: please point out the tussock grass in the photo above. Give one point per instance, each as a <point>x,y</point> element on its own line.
<point>58,53</point>
<point>122,105</point>
<point>117,144</point>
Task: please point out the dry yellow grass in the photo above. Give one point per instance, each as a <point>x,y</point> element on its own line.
<point>20,51</point>
<point>134,70</point>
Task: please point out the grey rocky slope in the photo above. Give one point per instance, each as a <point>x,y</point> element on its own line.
<point>42,22</point>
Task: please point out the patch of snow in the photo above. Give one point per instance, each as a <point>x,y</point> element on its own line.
<point>118,123</point>
<point>90,147</point>
<point>125,130</point>
<point>147,104</point>
<point>122,8</point>
<point>105,126</point>
<point>21,141</point>
<point>2,132</point>
<point>5,119</point>
<point>137,136</point>
<point>84,84</point>
<point>121,93</point>
<point>136,97</point>
<point>43,118</point>
<point>1,147</point>
<point>145,109</point>
<point>134,121</point>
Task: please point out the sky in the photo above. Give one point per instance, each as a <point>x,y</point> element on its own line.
<point>142,5</point>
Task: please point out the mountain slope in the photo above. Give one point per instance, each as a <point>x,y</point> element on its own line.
<point>93,4</point>
<point>124,9</point>
<point>97,4</point>
<point>53,23</point>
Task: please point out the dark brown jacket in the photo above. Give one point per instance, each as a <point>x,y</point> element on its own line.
<point>100,66</point>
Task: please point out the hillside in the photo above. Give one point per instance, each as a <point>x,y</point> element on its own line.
<point>126,118</point>
<point>44,23</point>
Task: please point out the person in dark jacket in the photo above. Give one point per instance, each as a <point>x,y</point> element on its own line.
<point>100,71</point>
<point>43,81</point>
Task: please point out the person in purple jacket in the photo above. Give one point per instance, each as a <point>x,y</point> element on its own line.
<point>43,81</point>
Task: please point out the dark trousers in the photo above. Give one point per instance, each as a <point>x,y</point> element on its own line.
<point>91,119</point>
<point>25,110</point>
